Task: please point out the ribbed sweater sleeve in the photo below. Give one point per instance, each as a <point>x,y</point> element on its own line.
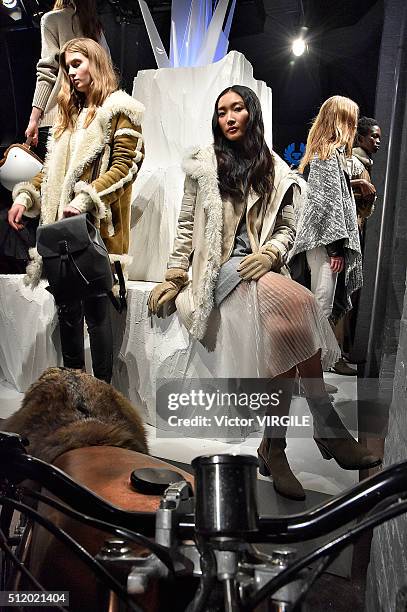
<point>47,66</point>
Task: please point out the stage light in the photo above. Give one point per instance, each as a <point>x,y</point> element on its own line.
<point>299,47</point>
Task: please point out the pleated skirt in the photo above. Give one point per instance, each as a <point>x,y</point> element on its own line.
<point>267,327</point>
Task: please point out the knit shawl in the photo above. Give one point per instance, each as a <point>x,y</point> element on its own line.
<point>329,214</point>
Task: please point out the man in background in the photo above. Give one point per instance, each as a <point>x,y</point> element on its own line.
<point>367,143</point>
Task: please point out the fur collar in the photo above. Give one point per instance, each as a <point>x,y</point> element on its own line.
<point>58,186</point>
<point>200,164</point>
<point>119,102</point>
<point>363,157</point>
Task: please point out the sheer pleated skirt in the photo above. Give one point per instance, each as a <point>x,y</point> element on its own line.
<point>267,327</point>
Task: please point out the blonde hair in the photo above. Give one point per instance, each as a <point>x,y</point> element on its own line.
<point>104,81</point>
<point>334,126</point>
<point>86,11</point>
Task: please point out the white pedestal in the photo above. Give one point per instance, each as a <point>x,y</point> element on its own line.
<point>146,349</point>
<point>152,349</point>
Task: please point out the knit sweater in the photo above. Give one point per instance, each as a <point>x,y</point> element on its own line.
<point>57,28</point>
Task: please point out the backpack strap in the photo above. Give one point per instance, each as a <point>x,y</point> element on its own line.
<point>120,303</point>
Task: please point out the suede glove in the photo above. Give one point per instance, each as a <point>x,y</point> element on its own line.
<point>254,266</point>
<point>175,280</point>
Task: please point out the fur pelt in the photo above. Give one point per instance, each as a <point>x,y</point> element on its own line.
<point>67,409</point>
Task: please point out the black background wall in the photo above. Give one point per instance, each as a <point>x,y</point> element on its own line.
<point>383,314</point>
<point>386,244</point>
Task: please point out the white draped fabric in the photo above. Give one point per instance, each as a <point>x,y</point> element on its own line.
<point>146,349</point>
<point>29,340</point>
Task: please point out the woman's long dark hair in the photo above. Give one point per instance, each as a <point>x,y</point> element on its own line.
<point>247,162</point>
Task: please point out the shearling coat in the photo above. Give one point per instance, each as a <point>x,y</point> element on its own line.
<point>207,229</point>
<point>99,179</point>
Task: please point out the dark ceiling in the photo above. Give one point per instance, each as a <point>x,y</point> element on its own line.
<point>343,54</point>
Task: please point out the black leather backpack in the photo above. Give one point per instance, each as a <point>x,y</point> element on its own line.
<point>76,262</point>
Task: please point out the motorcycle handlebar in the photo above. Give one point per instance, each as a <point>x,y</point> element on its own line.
<point>16,466</point>
<point>338,511</point>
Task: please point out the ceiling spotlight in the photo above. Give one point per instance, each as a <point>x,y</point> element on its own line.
<point>10,4</point>
<point>299,47</point>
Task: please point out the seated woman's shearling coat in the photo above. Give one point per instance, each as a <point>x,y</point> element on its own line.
<point>207,228</point>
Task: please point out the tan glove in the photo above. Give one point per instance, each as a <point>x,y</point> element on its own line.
<point>256,265</point>
<point>176,279</point>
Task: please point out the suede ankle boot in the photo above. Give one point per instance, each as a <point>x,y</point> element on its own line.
<point>273,462</point>
<point>334,440</point>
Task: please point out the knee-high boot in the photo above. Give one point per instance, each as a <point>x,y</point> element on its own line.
<point>334,440</point>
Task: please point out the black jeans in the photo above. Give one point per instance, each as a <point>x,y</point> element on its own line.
<point>95,310</point>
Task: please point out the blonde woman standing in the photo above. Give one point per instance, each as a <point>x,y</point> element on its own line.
<point>327,229</point>
<point>67,20</point>
<point>92,160</point>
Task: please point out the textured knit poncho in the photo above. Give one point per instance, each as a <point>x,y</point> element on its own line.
<point>328,214</point>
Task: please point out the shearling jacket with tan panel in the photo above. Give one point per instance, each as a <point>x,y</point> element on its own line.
<point>97,180</point>
<point>207,229</point>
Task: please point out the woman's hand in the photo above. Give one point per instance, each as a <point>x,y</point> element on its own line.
<point>32,132</point>
<point>160,295</point>
<point>337,264</point>
<point>254,266</point>
<point>32,128</point>
<point>14,216</point>
<point>175,280</point>
<point>71,211</point>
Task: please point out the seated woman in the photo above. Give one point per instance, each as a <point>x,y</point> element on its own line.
<point>237,225</point>
<point>92,161</point>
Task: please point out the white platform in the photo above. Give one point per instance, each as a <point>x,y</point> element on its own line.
<point>306,461</point>
<point>146,349</point>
